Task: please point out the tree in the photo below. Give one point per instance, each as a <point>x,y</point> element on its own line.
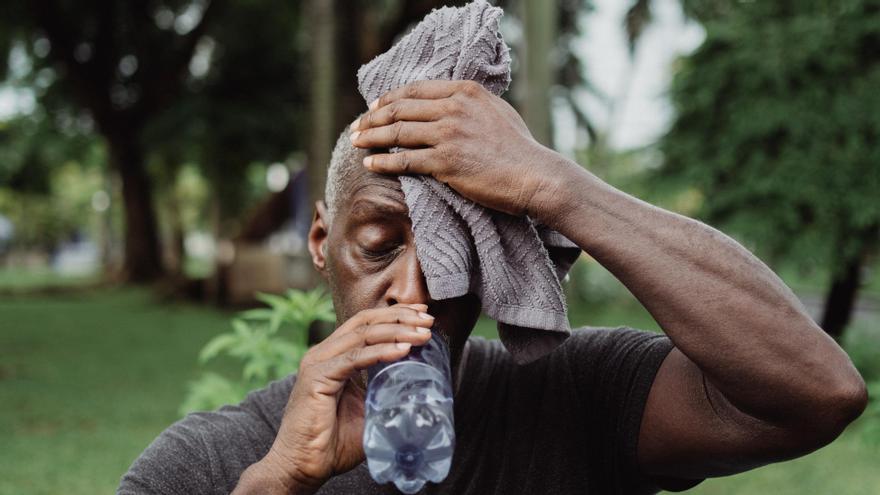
<point>47,204</point>
<point>541,22</point>
<point>244,101</point>
<point>219,84</point>
<point>120,63</point>
<point>343,35</point>
<point>775,124</point>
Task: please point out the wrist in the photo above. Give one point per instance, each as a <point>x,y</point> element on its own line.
<point>555,198</point>
<point>272,475</point>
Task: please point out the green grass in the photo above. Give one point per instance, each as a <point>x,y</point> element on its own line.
<point>846,467</point>
<point>87,381</point>
<point>24,279</point>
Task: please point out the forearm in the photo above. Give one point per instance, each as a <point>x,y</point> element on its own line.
<point>267,477</point>
<point>720,305</point>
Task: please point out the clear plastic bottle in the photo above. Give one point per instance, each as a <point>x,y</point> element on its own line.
<point>409,433</point>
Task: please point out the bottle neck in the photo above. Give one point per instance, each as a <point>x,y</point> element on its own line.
<point>434,353</point>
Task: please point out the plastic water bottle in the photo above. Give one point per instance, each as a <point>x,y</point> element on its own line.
<point>409,434</point>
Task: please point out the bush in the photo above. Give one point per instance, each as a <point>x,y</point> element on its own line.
<point>268,341</point>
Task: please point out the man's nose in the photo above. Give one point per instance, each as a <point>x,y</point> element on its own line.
<point>408,282</point>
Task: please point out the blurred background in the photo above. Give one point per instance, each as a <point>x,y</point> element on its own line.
<point>158,160</point>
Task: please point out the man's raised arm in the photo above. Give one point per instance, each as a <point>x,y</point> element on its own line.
<point>752,379</point>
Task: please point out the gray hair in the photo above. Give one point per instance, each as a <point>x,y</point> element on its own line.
<point>344,161</point>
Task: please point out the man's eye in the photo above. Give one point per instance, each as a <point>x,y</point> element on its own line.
<point>379,254</point>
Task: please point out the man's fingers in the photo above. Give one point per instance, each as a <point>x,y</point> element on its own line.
<point>344,366</point>
<point>423,90</point>
<point>386,333</point>
<point>358,331</point>
<point>399,313</point>
<point>401,133</point>
<point>420,161</point>
<point>403,314</point>
<point>405,109</point>
<point>383,333</point>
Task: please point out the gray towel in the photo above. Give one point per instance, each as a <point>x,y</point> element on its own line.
<point>463,247</point>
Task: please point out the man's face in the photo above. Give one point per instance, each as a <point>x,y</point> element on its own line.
<point>368,257</point>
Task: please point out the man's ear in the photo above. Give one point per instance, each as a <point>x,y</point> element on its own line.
<point>318,233</point>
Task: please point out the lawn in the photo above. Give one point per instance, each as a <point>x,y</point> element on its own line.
<point>88,380</point>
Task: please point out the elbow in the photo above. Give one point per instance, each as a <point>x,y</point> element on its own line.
<point>843,403</point>
<point>851,399</point>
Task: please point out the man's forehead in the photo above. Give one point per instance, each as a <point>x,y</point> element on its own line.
<point>375,191</point>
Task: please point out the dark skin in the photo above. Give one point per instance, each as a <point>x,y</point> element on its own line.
<point>369,261</point>
<point>751,380</point>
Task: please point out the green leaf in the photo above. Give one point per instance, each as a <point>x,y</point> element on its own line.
<point>217,345</point>
<point>211,391</point>
<point>272,300</point>
<point>262,314</point>
<point>242,329</point>
<point>264,355</point>
<point>256,370</point>
<point>276,320</point>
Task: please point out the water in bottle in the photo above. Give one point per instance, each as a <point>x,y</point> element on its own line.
<point>409,435</point>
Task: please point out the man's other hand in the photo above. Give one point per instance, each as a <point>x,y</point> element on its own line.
<point>321,433</point>
<point>464,136</point>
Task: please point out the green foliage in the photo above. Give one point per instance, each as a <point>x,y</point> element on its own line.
<point>862,343</point>
<point>42,219</point>
<point>269,342</point>
<point>170,83</point>
<point>776,125</point>
<point>230,118</point>
<point>871,416</point>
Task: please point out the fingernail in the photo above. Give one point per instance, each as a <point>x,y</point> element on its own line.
<point>368,161</point>
<point>354,136</point>
<point>425,316</point>
<point>357,123</point>
<point>373,104</point>
<point>403,345</point>
<point>423,330</point>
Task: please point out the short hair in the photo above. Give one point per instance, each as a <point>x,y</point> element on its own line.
<point>345,160</point>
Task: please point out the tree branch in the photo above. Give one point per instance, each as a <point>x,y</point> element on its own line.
<point>164,85</point>
<point>88,79</point>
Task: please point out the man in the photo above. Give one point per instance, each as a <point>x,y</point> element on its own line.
<point>742,378</point>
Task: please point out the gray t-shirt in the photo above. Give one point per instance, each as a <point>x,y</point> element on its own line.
<point>566,423</point>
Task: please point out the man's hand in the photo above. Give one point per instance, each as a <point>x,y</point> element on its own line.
<point>750,368</point>
<point>464,136</point>
<point>321,433</point>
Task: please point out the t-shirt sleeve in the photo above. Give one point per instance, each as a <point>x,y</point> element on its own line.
<point>613,371</point>
<point>206,452</point>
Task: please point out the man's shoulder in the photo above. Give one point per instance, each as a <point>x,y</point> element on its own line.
<point>210,449</point>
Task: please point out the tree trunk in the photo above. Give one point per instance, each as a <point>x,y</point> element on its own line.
<point>355,33</point>
<point>841,298</point>
<point>540,19</point>
<point>143,259</point>
<point>323,86</point>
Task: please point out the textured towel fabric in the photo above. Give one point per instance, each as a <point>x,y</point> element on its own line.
<point>463,247</point>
